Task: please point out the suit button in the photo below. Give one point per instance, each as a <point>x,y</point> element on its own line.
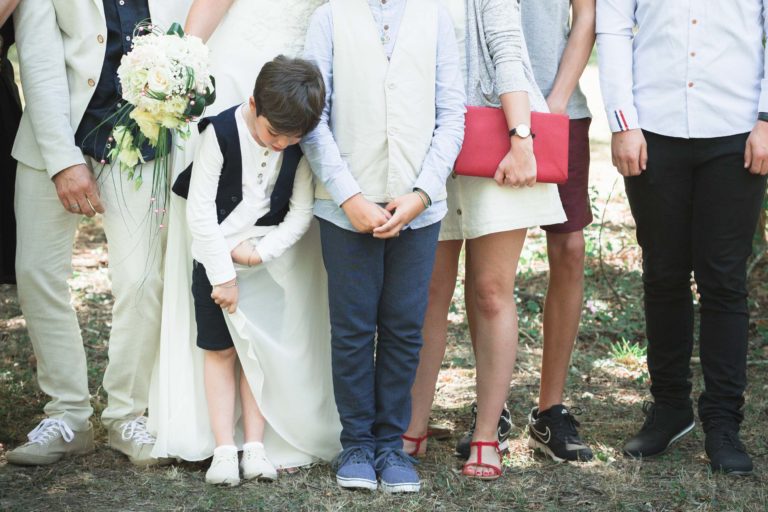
<point>453,175</point>
<point>234,199</point>
<point>91,82</point>
<point>100,39</point>
<point>458,211</point>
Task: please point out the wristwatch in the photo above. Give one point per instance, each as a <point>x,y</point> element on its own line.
<point>522,130</point>
<point>762,116</point>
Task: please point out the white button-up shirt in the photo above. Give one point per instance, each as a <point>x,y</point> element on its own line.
<point>211,241</point>
<point>683,68</point>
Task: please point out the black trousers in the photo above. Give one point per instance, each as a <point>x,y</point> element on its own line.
<point>696,209</point>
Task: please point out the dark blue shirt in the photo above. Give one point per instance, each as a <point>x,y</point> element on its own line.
<point>122,17</point>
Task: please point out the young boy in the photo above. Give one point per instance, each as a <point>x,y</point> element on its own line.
<point>382,152</point>
<point>250,198</point>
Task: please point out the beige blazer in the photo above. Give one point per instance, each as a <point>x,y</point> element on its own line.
<point>61,45</point>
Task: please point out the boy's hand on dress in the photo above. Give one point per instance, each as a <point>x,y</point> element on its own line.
<point>225,295</point>
<point>246,254</point>
<point>518,167</point>
<point>629,152</point>
<point>364,215</point>
<point>404,209</point>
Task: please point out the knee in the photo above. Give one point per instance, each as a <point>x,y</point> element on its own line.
<point>493,297</point>
<point>566,253</point>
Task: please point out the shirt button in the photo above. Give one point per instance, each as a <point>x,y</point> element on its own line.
<point>458,211</point>
<point>694,21</point>
<point>690,84</point>
<point>386,27</point>
<point>127,38</point>
<point>266,153</point>
<point>122,2</point>
<point>391,85</point>
<point>100,39</point>
<point>693,54</point>
<point>91,82</point>
<point>263,164</point>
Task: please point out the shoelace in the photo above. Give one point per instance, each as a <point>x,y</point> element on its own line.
<point>393,457</point>
<point>48,430</point>
<point>504,428</point>
<point>649,409</point>
<point>353,456</point>
<point>136,430</point>
<point>729,438</point>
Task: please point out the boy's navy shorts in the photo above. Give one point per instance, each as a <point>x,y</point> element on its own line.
<point>212,330</point>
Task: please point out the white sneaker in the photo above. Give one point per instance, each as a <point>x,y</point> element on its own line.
<point>132,438</point>
<point>255,463</point>
<point>51,440</point>
<point>223,470</point>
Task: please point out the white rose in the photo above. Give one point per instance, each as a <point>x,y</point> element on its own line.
<point>160,80</point>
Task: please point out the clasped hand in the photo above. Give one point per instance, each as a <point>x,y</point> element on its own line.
<point>518,167</point>
<point>386,222</point>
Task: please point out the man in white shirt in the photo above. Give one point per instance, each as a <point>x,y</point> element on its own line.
<point>683,85</point>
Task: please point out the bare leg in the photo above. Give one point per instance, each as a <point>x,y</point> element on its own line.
<point>562,313</point>
<point>490,294</point>
<point>220,393</point>
<point>253,420</point>
<point>435,332</point>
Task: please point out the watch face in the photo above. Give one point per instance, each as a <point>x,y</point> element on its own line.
<point>523,130</point>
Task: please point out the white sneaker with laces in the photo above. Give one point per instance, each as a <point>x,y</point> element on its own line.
<point>51,440</point>
<point>255,463</point>
<point>132,438</point>
<point>223,470</point>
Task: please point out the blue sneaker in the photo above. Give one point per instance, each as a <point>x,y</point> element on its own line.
<point>354,469</point>
<point>395,469</point>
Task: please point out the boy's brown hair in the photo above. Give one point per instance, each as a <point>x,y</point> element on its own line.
<point>290,93</point>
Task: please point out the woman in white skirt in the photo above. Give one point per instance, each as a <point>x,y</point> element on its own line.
<point>283,345</point>
<point>492,215</point>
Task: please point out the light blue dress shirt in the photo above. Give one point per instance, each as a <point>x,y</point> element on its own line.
<point>320,147</point>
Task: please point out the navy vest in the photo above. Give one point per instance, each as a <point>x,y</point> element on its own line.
<point>230,192</point>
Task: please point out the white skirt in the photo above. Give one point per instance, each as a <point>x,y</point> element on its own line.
<point>479,206</point>
<point>281,332</point>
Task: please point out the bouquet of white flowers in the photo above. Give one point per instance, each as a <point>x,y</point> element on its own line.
<point>165,84</point>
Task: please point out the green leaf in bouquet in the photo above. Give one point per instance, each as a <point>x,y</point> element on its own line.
<point>175,29</point>
<point>196,106</point>
<point>210,92</point>
<point>138,181</point>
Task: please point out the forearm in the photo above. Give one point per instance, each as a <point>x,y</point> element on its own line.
<point>46,90</point>
<point>6,9</point>
<point>575,56</point>
<point>204,16</point>
<point>504,35</point>
<point>517,108</point>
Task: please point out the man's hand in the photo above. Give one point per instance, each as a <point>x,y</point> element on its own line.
<point>629,152</point>
<point>364,215</point>
<point>246,254</point>
<point>404,209</point>
<point>225,295</point>
<point>756,154</point>
<point>78,191</point>
<point>518,167</point>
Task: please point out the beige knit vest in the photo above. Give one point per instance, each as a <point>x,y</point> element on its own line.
<point>383,111</point>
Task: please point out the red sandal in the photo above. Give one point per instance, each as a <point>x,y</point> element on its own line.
<point>418,441</point>
<point>470,468</point>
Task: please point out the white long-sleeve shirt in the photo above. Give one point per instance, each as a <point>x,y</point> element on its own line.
<point>212,242</point>
<point>683,68</point>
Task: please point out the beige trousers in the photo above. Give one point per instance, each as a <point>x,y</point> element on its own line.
<point>46,233</point>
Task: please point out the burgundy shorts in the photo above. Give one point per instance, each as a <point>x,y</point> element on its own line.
<point>574,193</point>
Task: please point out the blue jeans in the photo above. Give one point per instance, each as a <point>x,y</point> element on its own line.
<point>378,291</point>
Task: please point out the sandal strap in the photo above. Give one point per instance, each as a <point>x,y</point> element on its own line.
<point>480,444</point>
<point>418,440</point>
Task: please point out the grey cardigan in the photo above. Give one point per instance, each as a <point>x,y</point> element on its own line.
<point>496,53</point>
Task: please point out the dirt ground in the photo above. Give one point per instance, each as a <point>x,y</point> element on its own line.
<point>608,381</point>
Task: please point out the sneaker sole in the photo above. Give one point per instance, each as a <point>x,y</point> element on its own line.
<point>398,488</point>
<point>225,482</point>
<point>356,483</point>
<point>672,441</point>
<point>535,444</point>
<point>43,460</point>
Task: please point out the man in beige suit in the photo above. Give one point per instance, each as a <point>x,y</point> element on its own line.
<point>69,51</point>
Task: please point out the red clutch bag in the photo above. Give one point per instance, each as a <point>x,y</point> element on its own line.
<point>486,141</point>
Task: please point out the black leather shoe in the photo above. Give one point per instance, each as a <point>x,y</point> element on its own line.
<point>726,452</point>
<point>663,426</point>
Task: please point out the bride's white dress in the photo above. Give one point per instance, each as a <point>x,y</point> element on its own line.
<point>281,328</point>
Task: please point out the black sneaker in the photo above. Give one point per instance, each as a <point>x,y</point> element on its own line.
<point>554,433</point>
<point>503,431</point>
<point>664,425</point>
<point>726,452</point>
